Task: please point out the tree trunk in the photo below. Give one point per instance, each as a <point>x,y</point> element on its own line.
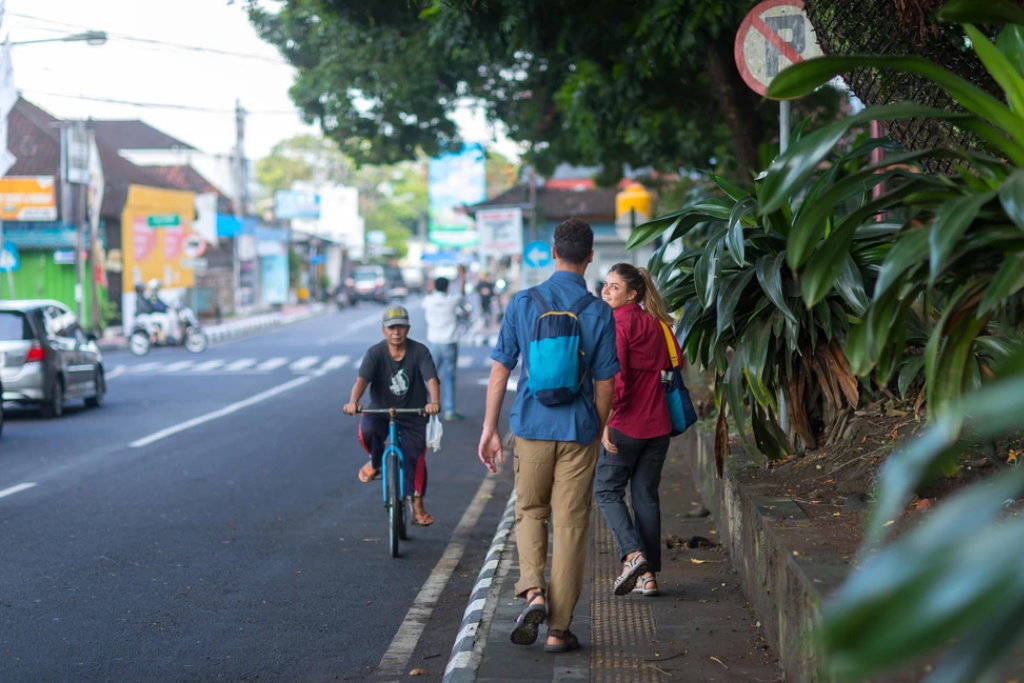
<point>738,105</point>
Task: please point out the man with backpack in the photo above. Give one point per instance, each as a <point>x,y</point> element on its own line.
<point>566,337</point>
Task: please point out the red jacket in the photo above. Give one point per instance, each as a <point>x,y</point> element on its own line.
<point>638,407</point>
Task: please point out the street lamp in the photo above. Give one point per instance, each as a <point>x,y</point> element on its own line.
<point>90,37</point>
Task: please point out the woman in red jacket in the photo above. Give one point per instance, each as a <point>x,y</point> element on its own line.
<point>637,436</point>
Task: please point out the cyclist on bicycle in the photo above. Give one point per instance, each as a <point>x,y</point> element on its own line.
<point>399,373</point>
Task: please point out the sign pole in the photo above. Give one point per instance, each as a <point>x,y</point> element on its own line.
<point>783,125</point>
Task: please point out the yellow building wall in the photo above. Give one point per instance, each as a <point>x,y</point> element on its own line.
<point>154,225</point>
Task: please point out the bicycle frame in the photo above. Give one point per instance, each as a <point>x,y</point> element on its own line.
<point>392,447</point>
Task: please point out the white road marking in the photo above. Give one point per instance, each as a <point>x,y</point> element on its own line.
<point>146,367</point>
<point>396,660</point>
<point>272,364</point>
<point>369,321</point>
<point>208,365</point>
<point>334,362</point>
<point>304,363</point>
<point>116,372</point>
<point>223,412</point>
<point>15,489</point>
<point>464,362</point>
<point>240,364</point>
<point>178,366</point>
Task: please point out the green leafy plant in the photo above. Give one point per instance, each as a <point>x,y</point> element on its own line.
<point>953,582</point>
<point>746,315</point>
<point>953,271</point>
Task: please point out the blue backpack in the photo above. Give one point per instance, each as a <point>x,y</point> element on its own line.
<point>556,368</point>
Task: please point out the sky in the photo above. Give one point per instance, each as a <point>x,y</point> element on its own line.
<point>179,66</point>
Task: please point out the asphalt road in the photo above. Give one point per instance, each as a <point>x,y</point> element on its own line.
<point>206,522</point>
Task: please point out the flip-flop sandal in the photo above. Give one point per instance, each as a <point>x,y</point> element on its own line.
<point>368,473</point>
<point>569,642</point>
<point>532,616</point>
<point>426,519</point>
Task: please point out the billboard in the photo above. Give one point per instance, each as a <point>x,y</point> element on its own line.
<point>28,198</point>
<point>154,226</point>
<point>455,180</point>
<point>500,231</point>
<point>296,204</point>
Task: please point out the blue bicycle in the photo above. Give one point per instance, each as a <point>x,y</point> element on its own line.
<point>392,467</point>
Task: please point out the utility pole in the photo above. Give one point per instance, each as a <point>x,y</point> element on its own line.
<point>81,256</point>
<point>239,198</point>
<point>533,204</point>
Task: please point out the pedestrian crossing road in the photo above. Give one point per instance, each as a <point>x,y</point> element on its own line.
<point>472,359</point>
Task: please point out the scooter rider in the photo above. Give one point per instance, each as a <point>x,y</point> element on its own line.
<point>160,313</point>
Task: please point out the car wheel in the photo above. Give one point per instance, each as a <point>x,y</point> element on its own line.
<point>100,383</point>
<point>55,406</point>
<point>1,417</point>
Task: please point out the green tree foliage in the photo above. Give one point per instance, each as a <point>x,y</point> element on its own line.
<point>650,82</point>
<point>392,198</point>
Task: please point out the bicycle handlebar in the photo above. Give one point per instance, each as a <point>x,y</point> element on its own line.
<point>389,411</point>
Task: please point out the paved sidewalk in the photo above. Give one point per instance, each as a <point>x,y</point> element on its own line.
<point>701,628</point>
<point>234,326</point>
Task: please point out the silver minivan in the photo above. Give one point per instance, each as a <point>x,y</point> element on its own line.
<point>47,357</point>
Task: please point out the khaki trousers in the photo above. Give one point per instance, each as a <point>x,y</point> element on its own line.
<point>554,481</point>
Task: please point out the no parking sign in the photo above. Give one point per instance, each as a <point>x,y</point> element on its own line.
<point>773,35</point>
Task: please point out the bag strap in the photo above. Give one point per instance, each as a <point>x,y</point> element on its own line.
<point>582,303</point>
<point>671,347</point>
<point>544,308</point>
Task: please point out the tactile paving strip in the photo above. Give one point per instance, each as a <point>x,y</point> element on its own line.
<point>617,623</point>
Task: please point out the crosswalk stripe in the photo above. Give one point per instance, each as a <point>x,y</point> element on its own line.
<point>334,362</point>
<point>305,363</point>
<point>302,364</point>
<point>272,364</point>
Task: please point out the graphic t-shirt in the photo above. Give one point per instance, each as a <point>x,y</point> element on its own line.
<point>398,383</point>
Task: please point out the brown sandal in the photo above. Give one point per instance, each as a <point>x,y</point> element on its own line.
<point>525,631</point>
<point>569,641</point>
<point>368,473</point>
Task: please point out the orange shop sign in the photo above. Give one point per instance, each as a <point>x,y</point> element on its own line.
<point>28,198</point>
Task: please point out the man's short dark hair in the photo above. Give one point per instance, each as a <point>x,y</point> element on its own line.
<point>441,285</point>
<point>574,240</point>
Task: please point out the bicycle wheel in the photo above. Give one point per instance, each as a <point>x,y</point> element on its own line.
<point>394,505</point>
<point>404,514</point>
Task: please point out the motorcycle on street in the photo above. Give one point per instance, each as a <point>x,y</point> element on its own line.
<point>148,331</point>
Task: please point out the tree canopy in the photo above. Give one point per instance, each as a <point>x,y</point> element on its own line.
<point>647,83</point>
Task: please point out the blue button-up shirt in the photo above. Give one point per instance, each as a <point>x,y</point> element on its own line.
<point>575,421</point>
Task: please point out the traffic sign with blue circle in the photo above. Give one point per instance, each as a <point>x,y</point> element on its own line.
<point>537,254</point>
<point>9,259</point>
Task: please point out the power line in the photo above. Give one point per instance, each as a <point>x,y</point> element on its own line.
<point>151,41</point>
<point>159,105</point>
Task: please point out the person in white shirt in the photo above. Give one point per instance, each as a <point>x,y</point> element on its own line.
<point>441,308</point>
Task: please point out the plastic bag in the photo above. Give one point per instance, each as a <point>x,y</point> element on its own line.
<point>434,431</point>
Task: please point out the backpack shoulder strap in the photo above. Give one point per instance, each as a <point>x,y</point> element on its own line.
<point>544,308</point>
<point>582,303</point>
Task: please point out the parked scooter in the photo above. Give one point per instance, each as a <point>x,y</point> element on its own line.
<point>147,332</point>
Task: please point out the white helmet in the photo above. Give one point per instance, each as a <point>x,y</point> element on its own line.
<point>154,285</point>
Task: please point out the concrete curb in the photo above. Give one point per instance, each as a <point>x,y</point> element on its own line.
<point>233,328</point>
<point>785,587</point>
<point>467,651</point>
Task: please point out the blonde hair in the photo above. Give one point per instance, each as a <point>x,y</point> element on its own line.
<point>641,282</point>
